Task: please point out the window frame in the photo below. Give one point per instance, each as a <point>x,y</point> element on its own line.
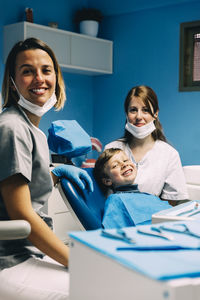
<point>187,31</point>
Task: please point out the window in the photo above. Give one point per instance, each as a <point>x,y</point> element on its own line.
<point>189,77</point>
<point>196,60</point>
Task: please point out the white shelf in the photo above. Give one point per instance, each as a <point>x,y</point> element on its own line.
<point>76,53</point>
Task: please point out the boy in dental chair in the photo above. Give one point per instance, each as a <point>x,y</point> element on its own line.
<point>126,205</point>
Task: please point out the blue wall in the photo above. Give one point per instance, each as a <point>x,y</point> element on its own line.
<point>146,51</point>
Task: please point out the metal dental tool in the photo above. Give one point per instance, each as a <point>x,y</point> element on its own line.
<point>182,229</point>
<point>119,235</point>
<point>189,212</point>
<point>156,232</point>
<point>195,212</point>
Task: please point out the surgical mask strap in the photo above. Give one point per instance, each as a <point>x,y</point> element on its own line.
<point>15,86</point>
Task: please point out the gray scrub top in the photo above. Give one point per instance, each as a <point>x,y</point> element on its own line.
<point>23,150</point>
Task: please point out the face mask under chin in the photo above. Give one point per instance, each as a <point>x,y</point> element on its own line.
<point>33,108</point>
<point>36,109</point>
<point>140,132</point>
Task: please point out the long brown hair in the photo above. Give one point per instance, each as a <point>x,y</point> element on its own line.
<point>149,97</point>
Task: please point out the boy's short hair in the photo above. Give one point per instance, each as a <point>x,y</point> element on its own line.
<point>99,169</point>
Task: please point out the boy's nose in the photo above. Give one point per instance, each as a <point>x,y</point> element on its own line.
<point>124,164</point>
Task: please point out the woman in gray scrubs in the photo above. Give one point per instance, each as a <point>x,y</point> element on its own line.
<point>32,85</point>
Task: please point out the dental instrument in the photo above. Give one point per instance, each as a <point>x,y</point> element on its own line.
<point>194,213</point>
<point>158,233</point>
<point>159,230</point>
<point>184,230</point>
<point>119,235</point>
<point>190,212</point>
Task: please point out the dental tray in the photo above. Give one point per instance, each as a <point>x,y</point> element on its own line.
<point>182,212</point>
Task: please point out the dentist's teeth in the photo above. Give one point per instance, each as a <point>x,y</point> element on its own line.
<point>38,90</point>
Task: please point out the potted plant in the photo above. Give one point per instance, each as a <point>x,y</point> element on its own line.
<point>88,20</point>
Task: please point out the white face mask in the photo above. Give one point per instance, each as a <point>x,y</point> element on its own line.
<point>140,132</point>
<point>33,108</point>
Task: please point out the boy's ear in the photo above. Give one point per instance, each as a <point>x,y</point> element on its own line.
<point>107,181</point>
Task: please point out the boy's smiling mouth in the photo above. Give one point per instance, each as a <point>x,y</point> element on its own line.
<point>127,172</point>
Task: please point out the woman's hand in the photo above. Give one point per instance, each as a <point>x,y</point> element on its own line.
<point>173,202</point>
<point>74,174</point>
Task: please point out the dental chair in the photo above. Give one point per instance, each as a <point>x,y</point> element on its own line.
<point>86,207</point>
<point>83,210</point>
<point>14,230</point>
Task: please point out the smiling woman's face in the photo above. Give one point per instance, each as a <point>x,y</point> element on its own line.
<point>35,76</point>
<point>120,170</point>
<point>138,113</point>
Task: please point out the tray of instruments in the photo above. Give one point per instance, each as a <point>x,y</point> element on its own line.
<point>182,212</point>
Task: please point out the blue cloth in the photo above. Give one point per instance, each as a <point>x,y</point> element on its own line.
<point>156,264</point>
<point>130,209</point>
<point>67,137</point>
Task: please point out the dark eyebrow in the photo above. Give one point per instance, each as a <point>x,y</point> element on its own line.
<point>28,65</point>
<point>48,66</point>
<point>24,65</point>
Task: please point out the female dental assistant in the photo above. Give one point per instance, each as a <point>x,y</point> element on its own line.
<point>32,85</point>
<point>159,166</point>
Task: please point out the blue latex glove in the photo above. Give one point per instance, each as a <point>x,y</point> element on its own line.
<point>76,175</point>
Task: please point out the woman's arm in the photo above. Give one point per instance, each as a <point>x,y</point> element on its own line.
<point>174,189</point>
<point>17,199</point>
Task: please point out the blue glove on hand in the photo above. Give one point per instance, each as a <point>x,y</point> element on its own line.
<point>76,175</point>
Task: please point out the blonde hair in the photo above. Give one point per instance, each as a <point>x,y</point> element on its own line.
<point>9,95</point>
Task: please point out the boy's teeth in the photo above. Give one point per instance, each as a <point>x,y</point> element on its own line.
<point>127,172</point>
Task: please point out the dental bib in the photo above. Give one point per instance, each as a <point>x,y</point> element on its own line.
<point>33,108</point>
<point>140,132</point>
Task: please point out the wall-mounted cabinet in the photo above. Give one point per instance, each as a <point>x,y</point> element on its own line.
<point>76,53</point>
